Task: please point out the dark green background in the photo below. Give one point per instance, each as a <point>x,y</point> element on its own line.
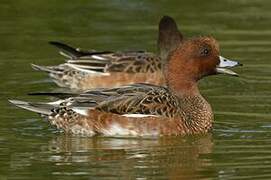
<point>238,147</point>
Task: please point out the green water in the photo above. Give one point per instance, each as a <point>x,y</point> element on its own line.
<point>239,146</point>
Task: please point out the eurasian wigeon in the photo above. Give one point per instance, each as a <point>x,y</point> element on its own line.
<point>145,109</point>
<point>91,69</point>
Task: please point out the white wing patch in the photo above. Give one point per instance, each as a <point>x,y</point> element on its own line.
<point>81,110</point>
<point>139,115</point>
<point>56,102</point>
<point>98,57</point>
<point>87,71</point>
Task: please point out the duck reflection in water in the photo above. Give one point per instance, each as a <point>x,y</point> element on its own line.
<point>172,157</point>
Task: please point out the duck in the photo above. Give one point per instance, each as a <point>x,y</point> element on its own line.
<point>144,110</point>
<point>89,69</point>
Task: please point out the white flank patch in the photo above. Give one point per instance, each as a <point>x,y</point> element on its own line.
<point>87,71</point>
<point>139,115</point>
<point>117,130</point>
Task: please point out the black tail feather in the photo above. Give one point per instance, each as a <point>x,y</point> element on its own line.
<point>60,95</point>
<point>74,53</point>
<point>68,50</point>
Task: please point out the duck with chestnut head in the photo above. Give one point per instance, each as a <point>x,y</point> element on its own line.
<point>84,70</point>
<point>145,109</point>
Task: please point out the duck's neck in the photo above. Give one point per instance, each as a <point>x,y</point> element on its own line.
<point>181,78</point>
<point>195,112</point>
<point>183,87</point>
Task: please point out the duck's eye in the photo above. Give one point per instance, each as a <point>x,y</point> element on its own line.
<point>205,52</point>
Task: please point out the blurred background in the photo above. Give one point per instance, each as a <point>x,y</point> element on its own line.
<point>238,147</point>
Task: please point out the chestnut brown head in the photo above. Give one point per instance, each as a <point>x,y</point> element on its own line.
<point>198,57</point>
<point>192,60</point>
